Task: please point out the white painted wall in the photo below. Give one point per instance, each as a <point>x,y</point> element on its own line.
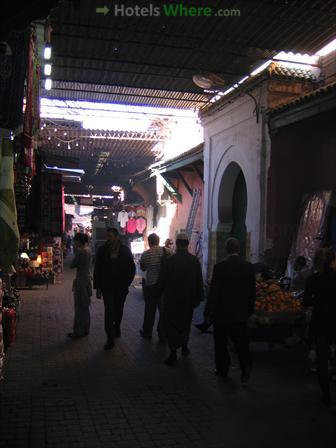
<point>233,135</point>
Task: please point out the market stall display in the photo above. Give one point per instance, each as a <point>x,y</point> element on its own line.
<point>10,312</point>
<point>29,277</point>
<point>278,314</point>
<point>271,299</point>
<point>2,353</point>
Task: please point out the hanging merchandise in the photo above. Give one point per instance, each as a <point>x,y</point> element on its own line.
<point>31,121</point>
<point>150,217</point>
<point>22,183</point>
<point>13,62</point>
<point>51,212</point>
<point>131,225</point>
<point>8,324</point>
<point>141,224</point>
<point>123,218</point>
<point>141,211</point>
<point>2,353</point>
<point>9,232</point>
<point>57,259</point>
<point>10,312</point>
<point>312,228</point>
<point>131,213</point>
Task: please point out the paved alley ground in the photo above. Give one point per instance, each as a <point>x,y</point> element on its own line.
<point>72,394</point>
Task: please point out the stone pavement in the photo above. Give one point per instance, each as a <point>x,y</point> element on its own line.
<point>73,394</point>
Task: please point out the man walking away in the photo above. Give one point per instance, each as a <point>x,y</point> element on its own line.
<point>181,284</point>
<point>113,274</point>
<point>151,262</point>
<point>230,303</point>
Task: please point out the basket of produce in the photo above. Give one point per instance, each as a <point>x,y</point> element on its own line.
<point>275,306</point>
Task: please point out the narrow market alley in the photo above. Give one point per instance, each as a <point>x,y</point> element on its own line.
<point>71,393</point>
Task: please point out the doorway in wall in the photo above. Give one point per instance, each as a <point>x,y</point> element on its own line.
<point>232,208</point>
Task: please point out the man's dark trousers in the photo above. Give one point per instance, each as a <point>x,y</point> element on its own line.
<point>238,333</point>
<point>114,307</point>
<point>152,303</point>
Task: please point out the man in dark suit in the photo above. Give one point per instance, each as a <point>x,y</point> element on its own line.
<point>230,303</point>
<point>113,273</point>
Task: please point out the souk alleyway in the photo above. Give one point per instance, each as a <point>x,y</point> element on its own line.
<point>65,393</point>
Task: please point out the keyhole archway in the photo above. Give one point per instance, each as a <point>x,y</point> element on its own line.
<point>232,208</point>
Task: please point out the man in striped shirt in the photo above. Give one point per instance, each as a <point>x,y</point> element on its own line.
<point>150,262</point>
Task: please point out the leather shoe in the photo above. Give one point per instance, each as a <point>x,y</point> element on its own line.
<point>326,399</point>
<point>108,345</point>
<point>220,373</point>
<point>185,351</point>
<point>144,335</point>
<point>75,335</point>
<point>245,376</point>
<point>203,327</point>
<point>172,359</point>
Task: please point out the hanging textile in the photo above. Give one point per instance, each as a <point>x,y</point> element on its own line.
<point>13,67</point>
<point>9,232</point>
<point>31,122</point>
<point>51,205</point>
<point>312,228</point>
<point>141,224</point>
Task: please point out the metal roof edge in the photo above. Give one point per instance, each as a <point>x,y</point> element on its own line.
<point>187,157</point>
<point>313,103</point>
<point>267,74</point>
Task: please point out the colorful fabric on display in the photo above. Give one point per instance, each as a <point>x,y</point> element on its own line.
<point>123,218</point>
<point>31,121</point>
<point>51,214</point>
<point>13,67</point>
<point>141,211</point>
<point>131,225</point>
<point>32,111</point>
<point>9,232</point>
<point>141,224</point>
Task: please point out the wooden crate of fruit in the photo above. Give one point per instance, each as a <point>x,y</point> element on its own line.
<point>275,306</point>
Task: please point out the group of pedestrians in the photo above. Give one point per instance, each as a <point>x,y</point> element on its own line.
<point>174,287</point>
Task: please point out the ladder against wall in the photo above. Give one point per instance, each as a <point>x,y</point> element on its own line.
<point>193,211</point>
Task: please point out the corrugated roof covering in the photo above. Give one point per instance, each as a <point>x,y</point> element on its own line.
<point>294,73</point>
<point>152,60</point>
<point>68,90</point>
<point>184,159</point>
<point>151,55</point>
<point>274,70</point>
<point>105,156</point>
<point>318,93</point>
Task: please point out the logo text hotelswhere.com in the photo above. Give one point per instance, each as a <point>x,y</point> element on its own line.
<point>167,10</point>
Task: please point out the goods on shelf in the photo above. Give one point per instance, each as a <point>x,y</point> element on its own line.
<point>9,325</point>
<point>10,310</point>
<point>278,316</point>
<point>47,259</point>
<point>57,259</point>
<point>28,277</point>
<point>1,332</point>
<point>275,305</point>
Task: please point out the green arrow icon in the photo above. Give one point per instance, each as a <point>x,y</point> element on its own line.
<point>104,10</point>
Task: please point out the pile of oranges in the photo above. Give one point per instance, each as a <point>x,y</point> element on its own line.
<point>272,299</point>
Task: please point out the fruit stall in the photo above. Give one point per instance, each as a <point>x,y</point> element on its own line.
<point>278,314</point>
